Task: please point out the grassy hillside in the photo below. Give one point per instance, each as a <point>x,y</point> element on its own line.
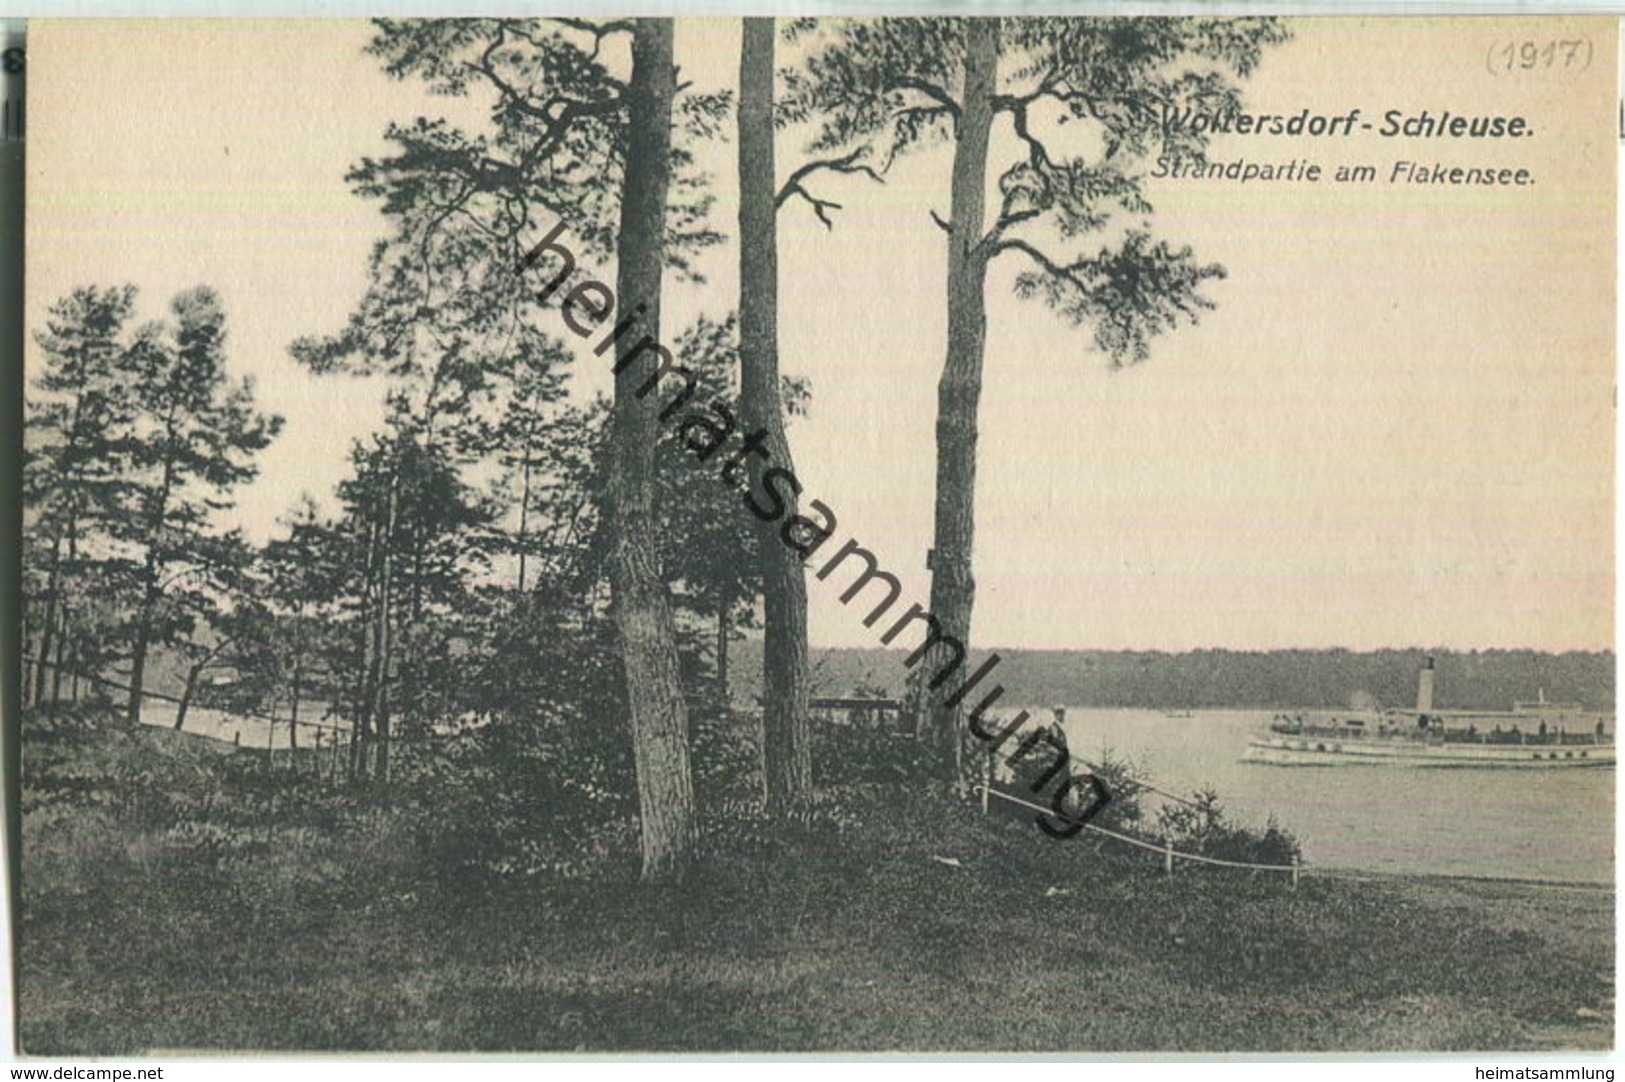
<point>176,896</point>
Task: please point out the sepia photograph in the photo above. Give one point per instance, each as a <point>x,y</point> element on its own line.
<point>1013,534</point>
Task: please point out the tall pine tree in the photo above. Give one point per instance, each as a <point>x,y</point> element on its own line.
<point>194,438</point>
<point>896,85</point>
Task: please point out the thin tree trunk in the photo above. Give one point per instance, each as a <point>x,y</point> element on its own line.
<point>42,675</point>
<point>953,586</point>
<point>25,632</point>
<point>524,516</point>
<point>385,644</point>
<point>786,736</point>
<point>60,662</point>
<point>70,647</point>
<point>55,625</point>
<point>48,631</point>
<point>641,608</point>
<point>725,630</point>
<point>150,594</point>
<point>293,705</point>
<point>361,731</point>
<point>186,695</point>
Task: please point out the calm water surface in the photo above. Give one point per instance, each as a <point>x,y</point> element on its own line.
<point>1534,824</point>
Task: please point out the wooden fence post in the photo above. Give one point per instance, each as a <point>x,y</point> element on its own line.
<point>1168,856</point>
<point>1294,871</point>
<point>987,781</point>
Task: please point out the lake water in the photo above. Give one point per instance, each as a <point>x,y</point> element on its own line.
<point>245,731</point>
<point>1526,824</point>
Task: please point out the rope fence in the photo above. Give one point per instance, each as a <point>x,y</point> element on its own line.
<point>1164,849</point>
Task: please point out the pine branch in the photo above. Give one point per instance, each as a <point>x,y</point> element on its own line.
<point>1007,218</point>
<point>930,90</point>
<point>558,113</point>
<point>598,30</point>
<point>820,206</point>
<point>1037,154</point>
<point>1067,273</point>
<point>847,163</point>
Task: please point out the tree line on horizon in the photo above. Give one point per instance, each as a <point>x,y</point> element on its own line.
<point>1220,679</point>
<point>509,561</point>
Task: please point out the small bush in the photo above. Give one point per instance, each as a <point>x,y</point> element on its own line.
<point>518,795</point>
<point>1200,826</point>
<point>845,754</point>
<point>725,754</point>
<point>1034,778</point>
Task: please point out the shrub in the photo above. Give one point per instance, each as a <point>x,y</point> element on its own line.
<point>1200,826</point>
<point>1032,778</point>
<point>845,754</point>
<point>725,753</point>
<point>519,795</point>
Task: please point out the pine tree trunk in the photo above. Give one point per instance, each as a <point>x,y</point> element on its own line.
<point>25,637</point>
<point>55,624</point>
<point>786,735</point>
<point>641,609</point>
<point>48,631</point>
<point>61,661</point>
<point>361,729</point>
<point>524,517</point>
<point>953,586</point>
<point>151,593</point>
<point>293,706</point>
<point>70,648</point>
<point>384,635</point>
<point>143,638</point>
<point>186,696</point>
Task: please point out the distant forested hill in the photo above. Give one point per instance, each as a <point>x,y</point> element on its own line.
<point>1234,679</point>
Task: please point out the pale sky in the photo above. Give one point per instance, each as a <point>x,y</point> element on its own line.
<point>1395,430</point>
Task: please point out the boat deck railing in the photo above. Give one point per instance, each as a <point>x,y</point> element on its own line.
<point>1436,735</point>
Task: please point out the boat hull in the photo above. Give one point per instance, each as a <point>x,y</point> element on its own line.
<point>1317,750</point>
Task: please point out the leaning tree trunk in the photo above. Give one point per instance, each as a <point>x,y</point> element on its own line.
<point>953,586</point>
<point>642,611</point>
<point>185,705</point>
<point>786,737</point>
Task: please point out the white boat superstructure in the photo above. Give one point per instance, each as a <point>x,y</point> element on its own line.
<point>1532,735</point>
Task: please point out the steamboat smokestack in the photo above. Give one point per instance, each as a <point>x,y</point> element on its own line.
<point>1424,688</point>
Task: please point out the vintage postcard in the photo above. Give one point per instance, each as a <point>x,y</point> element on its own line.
<point>928,535</point>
